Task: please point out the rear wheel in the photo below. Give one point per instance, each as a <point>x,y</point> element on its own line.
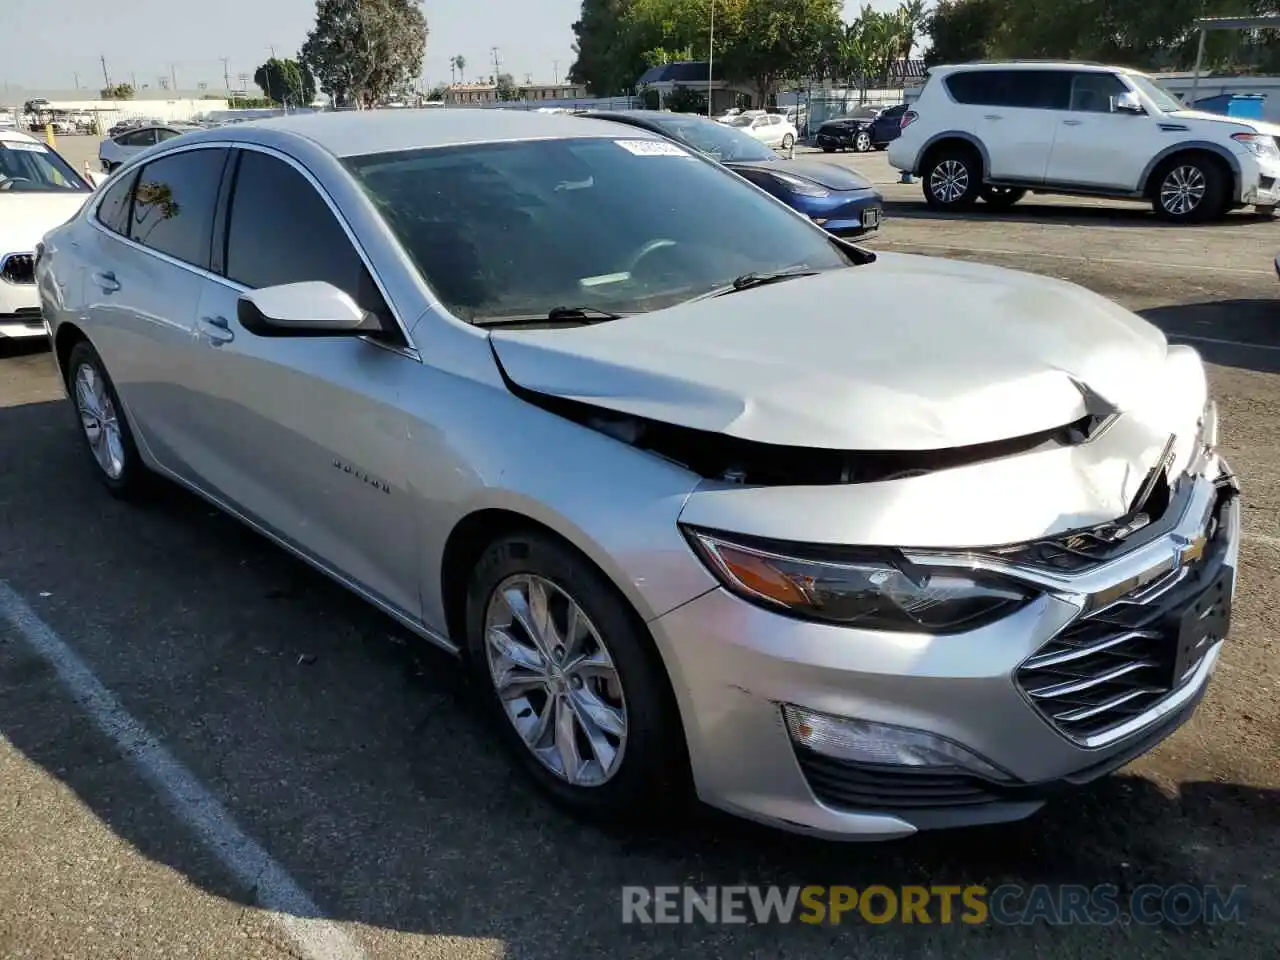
<point>1002,198</point>
<point>952,179</point>
<point>1190,189</point>
<point>103,426</point>
<point>788,142</point>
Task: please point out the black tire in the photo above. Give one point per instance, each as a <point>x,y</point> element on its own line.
<point>133,480</point>
<point>952,179</point>
<point>788,142</point>
<point>862,142</point>
<point>651,779</point>
<point>1265,209</point>
<point>1197,179</point>
<point>1001,198</point>
<point>828,149</point>
<point>881,146</point>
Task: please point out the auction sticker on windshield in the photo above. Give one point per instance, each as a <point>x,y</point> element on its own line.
<point>652,148</point>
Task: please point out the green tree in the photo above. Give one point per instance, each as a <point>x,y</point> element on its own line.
<point>437,93</point>
<point>962,30</point>
<point>506,88</point>
<point>603,60</point>
<point>286,81</point>
<point>361,50</point>
<point>459,63</point>
<point>772,40</point>
<point>117,91</point>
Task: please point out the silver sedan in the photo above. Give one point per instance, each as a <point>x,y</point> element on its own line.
<point>707,500</point>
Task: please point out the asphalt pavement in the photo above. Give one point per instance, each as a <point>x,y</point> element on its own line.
<point>192,723</point>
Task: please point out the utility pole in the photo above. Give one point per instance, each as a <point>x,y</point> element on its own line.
<point>711,59</point>
<point>106,78</point>
<point>226,74</point>
<point>555,72</point>
<point>497,64</point>
<point>77,80</point>
<point>173,78</point>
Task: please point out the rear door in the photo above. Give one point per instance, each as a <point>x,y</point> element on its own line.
<point>1096,145</point>
<point>145,274</point>
<point>1015,114</point>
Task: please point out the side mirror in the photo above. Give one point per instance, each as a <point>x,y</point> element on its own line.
<point>1127,102</point>
<point>309,309</point>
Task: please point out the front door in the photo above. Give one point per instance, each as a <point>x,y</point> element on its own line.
<point>1014,114</point>
<point>307,436</point>
<point>1097,146</point>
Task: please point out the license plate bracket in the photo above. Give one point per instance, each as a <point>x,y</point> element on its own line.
<point>870,219</point>
<point>1201,624</point>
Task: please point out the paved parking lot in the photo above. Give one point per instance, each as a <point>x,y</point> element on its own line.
<point>338,768</point>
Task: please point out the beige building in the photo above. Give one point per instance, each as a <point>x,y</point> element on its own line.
<point>473,94</point>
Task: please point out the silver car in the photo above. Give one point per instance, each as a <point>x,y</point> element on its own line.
<point>852,544</point>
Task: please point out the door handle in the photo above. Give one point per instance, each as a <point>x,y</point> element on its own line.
<point>1072,123</point>
<point>106,280</point>
<point>992,116</point>
<point>215,331</point>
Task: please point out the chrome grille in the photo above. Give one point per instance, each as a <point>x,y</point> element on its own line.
<point>18,267</point>
<point>1109,667</point>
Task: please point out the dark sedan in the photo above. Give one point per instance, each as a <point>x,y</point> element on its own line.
<point>853,131</point>
<point>840,200</point>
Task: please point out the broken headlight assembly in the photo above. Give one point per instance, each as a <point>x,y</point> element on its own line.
<point>875,589</point>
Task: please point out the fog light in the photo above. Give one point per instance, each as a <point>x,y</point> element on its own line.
<point>862,741</point>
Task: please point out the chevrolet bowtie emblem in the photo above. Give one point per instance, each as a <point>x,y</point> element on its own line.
<point>1192,551</point>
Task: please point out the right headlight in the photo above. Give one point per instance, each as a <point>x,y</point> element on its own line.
<point>800,185</point>
<point>871,589</point>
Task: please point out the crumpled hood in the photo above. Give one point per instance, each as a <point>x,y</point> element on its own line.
<point>907,353</point>
<point>26,217</point>
<point>824,174</point>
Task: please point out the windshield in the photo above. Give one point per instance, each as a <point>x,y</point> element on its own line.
<point>1164,101</point>
<point>717,139</point>
<point>740,122</point>
<point>621,225</point>
<point>27,166</point>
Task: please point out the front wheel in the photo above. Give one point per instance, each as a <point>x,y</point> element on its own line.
<point>1002,198</point>
<point>952,180</point>
<point>862,142</point>
<point>1190,189</point>
<point>572,681</point>
<point>788,142</point>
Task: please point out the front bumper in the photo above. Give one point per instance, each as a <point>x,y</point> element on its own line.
<point>1260,181</point>
<point>19,298</point>
<point>847,214</point>
<point>734,666</point>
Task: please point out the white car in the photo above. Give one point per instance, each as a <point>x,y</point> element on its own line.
<point>124,146</point>
<point>998,130</point>
<point>38,191</point>
<point>769,128</point>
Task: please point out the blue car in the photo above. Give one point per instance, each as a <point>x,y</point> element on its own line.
<point>834,197</point>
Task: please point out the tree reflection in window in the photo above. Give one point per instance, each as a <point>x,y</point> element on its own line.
<point>153,204</point>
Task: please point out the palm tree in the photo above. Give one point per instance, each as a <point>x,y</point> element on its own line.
<point>460,62</point>
<point>912,15</point>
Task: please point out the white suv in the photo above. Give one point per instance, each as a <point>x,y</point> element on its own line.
<point>997,130</point>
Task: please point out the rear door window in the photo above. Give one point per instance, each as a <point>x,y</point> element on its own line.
<point>1026,89</point>
<point>113,212</point>
<point>174,202</point>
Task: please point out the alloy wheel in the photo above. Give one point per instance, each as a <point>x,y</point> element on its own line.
<point>863,142</point>
<point>556,680</point>
<point>949,181</point>
<point>100,422</point>
<point>1183,189</point>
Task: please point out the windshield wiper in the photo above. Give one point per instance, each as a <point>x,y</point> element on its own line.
<point>749,280</point>
<point>554,315</point>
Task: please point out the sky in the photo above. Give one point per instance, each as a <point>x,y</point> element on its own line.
<point>55,44</point>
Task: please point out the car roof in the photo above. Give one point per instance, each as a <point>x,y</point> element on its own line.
<point>1031,65</point>
<point>352,133</point>
<point>18,136</point>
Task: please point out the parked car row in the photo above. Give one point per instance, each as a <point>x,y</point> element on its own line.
<point>132,140</point>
